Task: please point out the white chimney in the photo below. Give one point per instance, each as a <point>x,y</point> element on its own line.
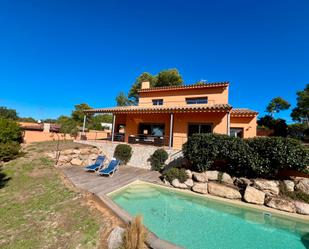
<point>145,85</point>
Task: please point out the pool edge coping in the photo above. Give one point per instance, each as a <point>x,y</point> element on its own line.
<point>153,241</point>
<point>236,203</point>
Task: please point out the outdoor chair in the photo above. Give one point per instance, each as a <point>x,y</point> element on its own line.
<point>99,162</point>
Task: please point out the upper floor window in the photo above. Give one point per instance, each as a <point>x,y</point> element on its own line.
<point>157,102</point>
<point>200,100</point>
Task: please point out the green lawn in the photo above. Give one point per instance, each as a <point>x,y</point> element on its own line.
<point>38,211</point>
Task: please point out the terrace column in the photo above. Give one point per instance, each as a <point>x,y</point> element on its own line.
<point>113,127</point>
<point>84,124</point>
<point>171,131</point>
<point>228,123</point>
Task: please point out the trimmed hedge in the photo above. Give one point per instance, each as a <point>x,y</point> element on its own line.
<point>157,159</point>
<point>203,150</point>
<point>277,153</point>
<point>257,157</point>
<point>123,153</point>
<point>175,173</point>
<point>9,151</point>
<point>10,131</point>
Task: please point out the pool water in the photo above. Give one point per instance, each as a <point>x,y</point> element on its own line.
<point>195,222</point>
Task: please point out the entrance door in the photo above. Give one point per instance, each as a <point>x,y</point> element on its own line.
<point>199,128</point>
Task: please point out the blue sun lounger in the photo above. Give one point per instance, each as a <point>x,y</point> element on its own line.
<point>110,169</point>
<point>97,165</point>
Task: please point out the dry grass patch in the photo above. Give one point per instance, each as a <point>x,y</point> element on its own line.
<point>135,235</point>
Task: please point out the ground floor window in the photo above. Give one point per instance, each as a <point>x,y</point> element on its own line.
<point>199,128</point>
<point>237,132</point>
<point>152,129</point>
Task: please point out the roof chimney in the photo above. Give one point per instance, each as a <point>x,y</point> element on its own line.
<point>145,85</point>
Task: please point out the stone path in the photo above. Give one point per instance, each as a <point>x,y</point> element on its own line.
<point>101,185</point>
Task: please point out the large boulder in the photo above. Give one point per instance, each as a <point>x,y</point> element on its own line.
<point>114,240</point>
<point>85,151</point>
<point>189,173</point>
<point>267,186</point>
<point>177,184</point>
<point>212,175</point>
<point>302,185</point>
<point>280,204</point>
<point>242,182</point>
<point>200,177</point>
<point>253,195</point>
<point>63,159</point>
<point>301,207</point>
<point>76,151</point>
<point>94,150</point>
<point>189,183</point>
<point>77,161</point>
<point>226,178</point>
<point>223,191</point>
<point>67,152</point>
<point>200,187</point>
<point>289,185</point>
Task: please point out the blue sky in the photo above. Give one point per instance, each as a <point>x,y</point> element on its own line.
<point>58,53</point>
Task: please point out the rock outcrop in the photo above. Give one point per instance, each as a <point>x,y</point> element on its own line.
<point>212,175</point>
<point>302,208</point>
<point>253,195</point>
<point>280,204</point>
<point>114,240</point>
<point>76,157</point>
<point>223,191</point>
<point>289,185</point>
<point>267,186</point>
<point>177,184</point>
<point>302,185</point>
<point>200,188</point>
<point>200,177</point>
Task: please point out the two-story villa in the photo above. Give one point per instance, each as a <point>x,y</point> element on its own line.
<point>169,115</point>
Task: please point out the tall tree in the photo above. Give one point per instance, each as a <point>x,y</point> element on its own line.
<point>301,111</point>
<point>276,105</point>
<point>8,113</point>
<point>123,100</point>
<point>78,113</point>
<point>133,93</point>
<point>97,121</point>
<point>170,77</point>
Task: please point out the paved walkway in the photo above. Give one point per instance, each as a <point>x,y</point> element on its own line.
<point>101,185</point>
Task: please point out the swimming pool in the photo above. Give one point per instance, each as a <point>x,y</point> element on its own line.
<point>195,222</point>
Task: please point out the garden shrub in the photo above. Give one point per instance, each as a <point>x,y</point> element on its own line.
<point>157,159</point>
<point>277,153</point>
<point>203,150</point>
<point>175,173</point>
<point>10,131</point>
<point>123,153</point>
<point>9,151</point>
<point>255,157</point>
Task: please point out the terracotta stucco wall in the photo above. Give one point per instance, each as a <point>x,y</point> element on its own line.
<point>39,136</point>
<point>248,124</point>
<point>181,122</point>
<point>217,95</point>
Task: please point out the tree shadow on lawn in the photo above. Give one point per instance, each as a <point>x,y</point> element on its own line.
<point>3,178</point>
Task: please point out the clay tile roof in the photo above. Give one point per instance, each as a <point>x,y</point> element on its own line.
<point>162,109</point>
<point>243,112</point>
<point>192,86</point>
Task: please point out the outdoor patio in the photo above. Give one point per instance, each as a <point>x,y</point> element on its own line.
<point>101,185</point>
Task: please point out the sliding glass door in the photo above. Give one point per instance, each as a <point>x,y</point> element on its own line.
<point>199,128</point>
